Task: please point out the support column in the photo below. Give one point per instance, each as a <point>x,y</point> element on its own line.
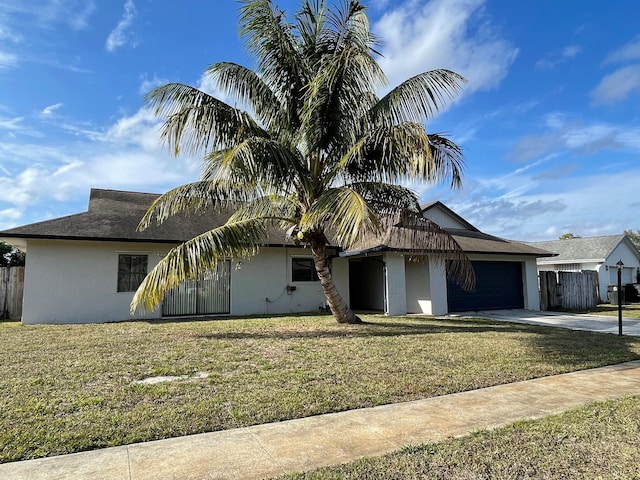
<point>395,284</point>
<point>438,284</point>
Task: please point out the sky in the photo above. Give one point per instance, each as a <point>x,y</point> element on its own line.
<point>549,120</point>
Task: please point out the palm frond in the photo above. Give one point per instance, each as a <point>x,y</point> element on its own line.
<point>345,74</point>
<point>265,164</point>
<point>270,38</point>
<point>402,152</point>
<point>343,211</point>
<point>196,197</point>
<point>197,122</point>
<point>197,256</point>
<point>417,98</point>
<point>447,159</point>
<point>387,198</point>
<point>248,88</point>
<point>311,20</point>
<point>276,209</point>
<point>420,238</point>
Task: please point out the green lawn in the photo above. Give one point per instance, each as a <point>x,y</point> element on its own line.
<point>598,441</point>
<point>72,388</point>
<point>631,310</point>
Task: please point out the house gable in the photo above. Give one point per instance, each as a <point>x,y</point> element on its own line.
<point>442,215</point>
<point>584,250</point>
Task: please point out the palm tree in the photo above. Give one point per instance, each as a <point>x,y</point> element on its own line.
<point>317,154</point>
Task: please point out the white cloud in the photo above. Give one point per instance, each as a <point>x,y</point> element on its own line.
<point>49,110</point>
<point>573,136</point>
<point>452,34</point>
<point>557,57</point>
<point>79,17</point>
<point>149,84</point>
<point>119,36</point>
<point>40,180</point>
<point>522,206</point>
<point>11,123</point>
<point>571,51</point>
<point>8,60</point>
<point>44,13</point>
<point>617,86</point>
<point>629,52</point>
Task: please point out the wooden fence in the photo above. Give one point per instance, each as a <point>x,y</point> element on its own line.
<point>571,290</point>
<point>11,290</point>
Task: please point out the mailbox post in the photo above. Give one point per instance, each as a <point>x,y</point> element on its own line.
<point>620,265</point>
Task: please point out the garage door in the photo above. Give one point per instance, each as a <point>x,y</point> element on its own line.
<point>498,286</point>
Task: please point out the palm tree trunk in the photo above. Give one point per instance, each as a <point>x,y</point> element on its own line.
<point>340,310</point>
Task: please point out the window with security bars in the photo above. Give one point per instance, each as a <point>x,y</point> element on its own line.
<point>132,269</point>
<point>303,270</point>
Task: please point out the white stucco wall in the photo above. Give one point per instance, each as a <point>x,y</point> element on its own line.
<point>340,274</point>
<point>418,287</point>
<point>444,219</point>
<point>267,276</point>
<point>426,285</point>
<point>631,264</point>
<point>76,282</point>
<point>395,284</point>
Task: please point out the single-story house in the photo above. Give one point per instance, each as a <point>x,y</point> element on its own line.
<point>600,254</point>
<point>85,268</point>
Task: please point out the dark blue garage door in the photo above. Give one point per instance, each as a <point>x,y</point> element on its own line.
<point>498,286</point>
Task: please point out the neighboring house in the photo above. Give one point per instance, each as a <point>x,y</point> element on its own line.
<point>600,254</point>
<point>85,268</point>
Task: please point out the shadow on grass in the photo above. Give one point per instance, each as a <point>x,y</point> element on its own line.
<point>566,349</point>
<point>559,345</point>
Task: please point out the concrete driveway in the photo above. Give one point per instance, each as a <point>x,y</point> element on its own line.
<point>574,321</point>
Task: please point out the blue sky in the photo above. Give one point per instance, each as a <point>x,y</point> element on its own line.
<point>549,121</point>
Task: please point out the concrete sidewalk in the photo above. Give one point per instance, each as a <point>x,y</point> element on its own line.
<point>574,321</point>
<point>296,445</point>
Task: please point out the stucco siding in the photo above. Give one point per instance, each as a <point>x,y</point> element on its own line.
<point>418,287</point>
<point>395,284</point>
<point>266,276</point>
<point>76,282</point>
<point>631,263</point>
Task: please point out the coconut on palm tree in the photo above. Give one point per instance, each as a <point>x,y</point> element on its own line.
<point>315,153</point>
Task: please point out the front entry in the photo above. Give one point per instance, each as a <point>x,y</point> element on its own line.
<point>366,283</point>
<point>209,295</point>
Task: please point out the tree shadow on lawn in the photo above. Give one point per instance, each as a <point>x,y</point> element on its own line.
<point>560,344</point>
<point>368,329</point>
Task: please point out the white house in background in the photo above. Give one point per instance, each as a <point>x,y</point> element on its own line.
<point>600,254</point>
<point>85,268</point>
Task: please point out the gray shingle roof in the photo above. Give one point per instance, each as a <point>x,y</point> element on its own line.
<point>477,242</point>
<point>470,241</point>
<point>114,215</point>
<point>573,250</point>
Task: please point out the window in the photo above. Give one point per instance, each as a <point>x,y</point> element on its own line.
<point>131,272</point>
<point>303,270</point>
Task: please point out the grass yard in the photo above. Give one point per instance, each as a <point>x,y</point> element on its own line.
<point>72,387</point>
<point>597,441</point>
<point>630,310</point>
